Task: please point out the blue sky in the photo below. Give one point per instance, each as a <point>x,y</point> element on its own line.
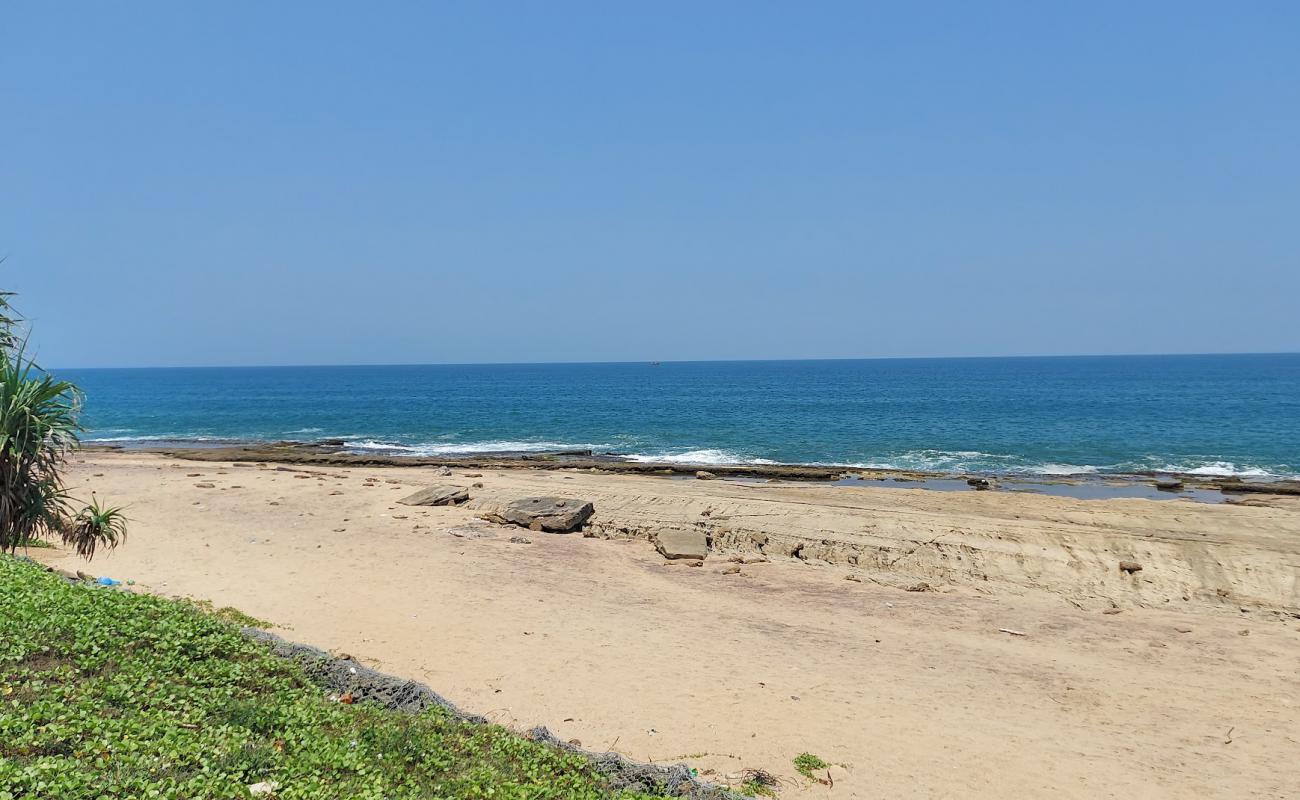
<point>294,183</point>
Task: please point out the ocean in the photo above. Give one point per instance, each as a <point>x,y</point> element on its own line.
<point>1206,415</point>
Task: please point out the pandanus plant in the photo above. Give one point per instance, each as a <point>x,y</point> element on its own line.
<point>38,431</point>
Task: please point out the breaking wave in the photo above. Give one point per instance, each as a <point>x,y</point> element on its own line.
<point>922,460</point>
<point>1221,469</point>
<point>707,456</point>
<point>371,446</point>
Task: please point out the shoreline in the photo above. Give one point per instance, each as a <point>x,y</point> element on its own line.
<point>334,452</point>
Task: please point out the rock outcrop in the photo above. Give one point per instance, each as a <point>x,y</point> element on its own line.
<point>554,514</point>
<point>436,496</point>
<point>682,543</point>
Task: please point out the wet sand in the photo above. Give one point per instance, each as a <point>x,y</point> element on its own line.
<point>1177,680</point>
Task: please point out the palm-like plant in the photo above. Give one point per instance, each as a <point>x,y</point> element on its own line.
<point>38,429</point>
<point>95,526</point>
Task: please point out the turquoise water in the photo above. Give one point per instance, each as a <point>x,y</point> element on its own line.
<point>1214,415</point>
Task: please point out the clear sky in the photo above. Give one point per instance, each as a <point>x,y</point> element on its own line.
<point>294,183</point>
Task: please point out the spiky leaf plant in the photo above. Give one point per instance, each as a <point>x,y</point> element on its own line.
<point>38,430</point>
<point>95,526</point>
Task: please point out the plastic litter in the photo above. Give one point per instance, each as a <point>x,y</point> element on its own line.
<point>106,581</point>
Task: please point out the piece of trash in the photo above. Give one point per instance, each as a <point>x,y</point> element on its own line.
<point>262,788</point>
<point>106,581</point>
<point>1013,633</point>
<point>346,699</point>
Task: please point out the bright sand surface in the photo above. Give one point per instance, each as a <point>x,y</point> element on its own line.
<point>1191,690</point>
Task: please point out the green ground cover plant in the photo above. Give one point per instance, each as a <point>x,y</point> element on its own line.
<point>110,694</point>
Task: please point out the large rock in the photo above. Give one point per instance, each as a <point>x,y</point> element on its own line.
<point>682,543</point>
<point>554,514</point>
<point>437,496</point>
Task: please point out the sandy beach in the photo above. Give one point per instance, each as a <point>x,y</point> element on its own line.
<point>927,644</point>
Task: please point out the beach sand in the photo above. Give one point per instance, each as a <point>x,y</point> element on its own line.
<point>1179,680</point>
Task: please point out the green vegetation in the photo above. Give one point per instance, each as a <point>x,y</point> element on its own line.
<point>38,429</point>
<point>805,763</point>
<point>106,693</point>
<point>227,613</point>
<point>758,783</point>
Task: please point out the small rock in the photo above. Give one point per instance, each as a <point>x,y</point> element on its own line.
<point>520,540</point>
<point>473,474</point>
<point>1129,567</point>
<point>204,486</point>
<point>852,577</point>
<point>734,570</point>
<point>981,484</point>
<point>1111,611</point>
<point>1169,484</point>
<point>920,587</point>
<point>194,474</point>
<point>705,475</point>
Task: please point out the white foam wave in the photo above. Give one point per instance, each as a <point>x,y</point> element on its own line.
<point>1062,469</point>
<point>306,430</point>
<point>704,457</point>
<point>958,461</point>
<point>1220,469</point>
<point>100,439</point>
<point>464,448</point>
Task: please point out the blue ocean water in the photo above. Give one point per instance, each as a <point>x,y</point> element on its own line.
<point>1214,415</point>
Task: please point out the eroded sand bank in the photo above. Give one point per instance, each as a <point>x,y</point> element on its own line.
<point>1192,689</point>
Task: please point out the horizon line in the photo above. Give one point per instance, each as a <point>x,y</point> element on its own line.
<point>678,361</point>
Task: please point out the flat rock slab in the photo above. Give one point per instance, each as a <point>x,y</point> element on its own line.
<point>554,514</point>
<point>473,532</point>
<point>682,543</point>
<point>437,496</point>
